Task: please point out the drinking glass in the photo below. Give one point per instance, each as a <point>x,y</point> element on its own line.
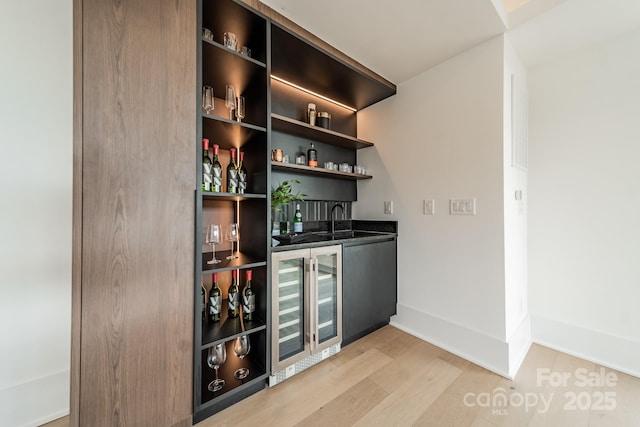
<point>207,99</point>
<point>231,41</point>
<point>207,34</point>
<point>230,100</point>
<point>233,235</point>
<point>245,51</point>
<point>241,347</point>
<point>213,237</point>
<point>216,356</point>
<point>240,108</point>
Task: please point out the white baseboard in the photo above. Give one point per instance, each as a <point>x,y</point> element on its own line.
<point>604,349</point>
<point>489,352</point>
<point>35,402</point>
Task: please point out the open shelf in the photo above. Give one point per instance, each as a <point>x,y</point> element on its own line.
<point>228,328</point>
<point>228,133</point>
<point>257,372</point>
<point>231,197</point>
<point>340,81</point>
<point>316,133</point>
<point>232,52</point>
<point>308,170</point>
<point>243,261</point>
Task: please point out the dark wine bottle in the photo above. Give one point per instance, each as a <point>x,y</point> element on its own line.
<point>203,301</point>
<point>248,299</point>
<point>312,156</point>
<point>232,173</point>
<point>215,300</point>
<point>216,171</point>
<point>207,165</point>
<point>234,295</point>
<point>242,175</point>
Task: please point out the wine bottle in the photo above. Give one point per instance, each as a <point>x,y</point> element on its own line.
<point>297,221</point>
<point>242,175</point>
<point>207,165</point>
<point>232,173</point>
<point>203,301</point>
<point>312,156</point>
<point>234,295</point>
<point>215,300</point>
<point>216,171</point>
<point>248,299</point>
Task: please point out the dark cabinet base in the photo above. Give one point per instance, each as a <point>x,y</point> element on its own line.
<point>369,291</point>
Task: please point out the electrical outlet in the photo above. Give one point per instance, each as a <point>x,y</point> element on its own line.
<point>429,207</point>
<point>388,207</point>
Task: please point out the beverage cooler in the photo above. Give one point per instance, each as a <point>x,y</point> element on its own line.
<point>307,309</point>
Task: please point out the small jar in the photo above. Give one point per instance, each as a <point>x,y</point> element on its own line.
<point>311,114</point>
<point>323,120</point>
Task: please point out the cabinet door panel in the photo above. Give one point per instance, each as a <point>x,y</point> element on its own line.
<point>369,287</point>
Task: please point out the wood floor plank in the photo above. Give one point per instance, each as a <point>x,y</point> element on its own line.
<point>347,408</point>
<point>292,401</point>
<point>391,378</point>
<point>414,397</point>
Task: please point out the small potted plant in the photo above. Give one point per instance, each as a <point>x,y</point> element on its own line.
<point>280,197</point>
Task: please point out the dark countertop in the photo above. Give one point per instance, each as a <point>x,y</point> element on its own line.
<point>358,232</point>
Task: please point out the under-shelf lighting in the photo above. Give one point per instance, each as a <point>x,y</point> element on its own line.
<point>313,93</point>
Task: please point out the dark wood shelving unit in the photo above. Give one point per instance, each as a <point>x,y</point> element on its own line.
<point>308,170</point>
<point>323,73</point>
<point>244,261</point>
<point>228,328</point>
<point>316,133</point>
<point>231,197</point>
<point>257,372</point>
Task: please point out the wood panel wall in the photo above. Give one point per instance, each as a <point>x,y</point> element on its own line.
<point>134,183</point>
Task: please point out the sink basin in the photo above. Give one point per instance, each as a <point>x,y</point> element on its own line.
<point>345,234</point>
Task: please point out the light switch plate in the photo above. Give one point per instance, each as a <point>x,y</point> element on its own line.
<point>388,207</point>
<point>462,206</point>
<point>429,207</point>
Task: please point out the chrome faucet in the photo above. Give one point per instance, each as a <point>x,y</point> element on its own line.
<point>333,222</point>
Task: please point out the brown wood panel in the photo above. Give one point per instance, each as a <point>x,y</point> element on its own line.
<point>76,256</point>
<point>138,182</point>
<point>280,19</point>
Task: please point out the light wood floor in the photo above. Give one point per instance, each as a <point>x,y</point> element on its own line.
<point>390,378</point>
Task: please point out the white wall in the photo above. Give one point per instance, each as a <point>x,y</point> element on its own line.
<point>35,218</point>
<point>441,137</point>
<point>584,201</point>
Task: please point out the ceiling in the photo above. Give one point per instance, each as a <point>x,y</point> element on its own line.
<point>402,38</point>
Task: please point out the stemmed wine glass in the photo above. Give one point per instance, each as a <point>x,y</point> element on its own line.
<point>240,108</point>
<point>213,237</point>
<point>208,103</point>
<point>217,356</point>
<point>241,347</point>
<point>233,235</point>
<point>230,100</point>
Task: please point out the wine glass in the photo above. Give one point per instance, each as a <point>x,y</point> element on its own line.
<point>233,235</point>
<point>240,108</point>
<point>213,237</point>
<point>216,356</point>
<point>207,99</point>
<point>230,100</point>
<point>241,347</point>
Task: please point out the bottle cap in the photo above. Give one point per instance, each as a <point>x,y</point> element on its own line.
<point>311,106</point>
<point>205,143</point>
<point>298,206</point>
<point>234,273</point>
<point>249,274</point>
<point>215,277</point>
<point>215,148</point>
<point>233,152</point>
<point>242,155</point>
